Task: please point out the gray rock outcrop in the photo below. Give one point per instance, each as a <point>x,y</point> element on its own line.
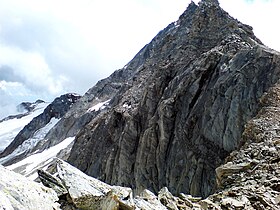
<point>84,192</point>
<point>18,192</point>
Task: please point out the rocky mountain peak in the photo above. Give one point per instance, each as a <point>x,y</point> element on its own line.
<point>28,106</point>
<point>61,104</point>
<point>179,107</point>
<point>208,25</point>
<point>210,2</point>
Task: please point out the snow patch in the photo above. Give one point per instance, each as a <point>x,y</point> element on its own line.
<point>75,94</point>
<point>29,165</point>
<point>98,106</point>
<point>10,128</point>
<point>176,24</point>
<point>31,142</point>
<point>125,105</point>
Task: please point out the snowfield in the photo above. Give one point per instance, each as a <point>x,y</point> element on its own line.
<point>31,142</point>
<point>29,165</point>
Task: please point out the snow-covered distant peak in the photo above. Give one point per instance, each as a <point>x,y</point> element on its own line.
<point>11,126</point>
<point>25,107</point>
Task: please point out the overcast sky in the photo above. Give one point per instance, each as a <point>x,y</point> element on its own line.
<point>50,47</point>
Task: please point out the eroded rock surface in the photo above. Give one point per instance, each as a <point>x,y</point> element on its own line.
<point>84,192</point>
<point>251,177</point>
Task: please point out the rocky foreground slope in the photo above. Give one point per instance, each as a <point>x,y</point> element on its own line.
<point>67,188</point>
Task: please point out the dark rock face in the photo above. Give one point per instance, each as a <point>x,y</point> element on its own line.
<point>178,108</point>
<point>56,109</point>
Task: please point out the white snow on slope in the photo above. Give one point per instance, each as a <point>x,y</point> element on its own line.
<point>10,128</point>
<point>31,142</point>
<point>125,105</point>
<point>98,106</point>
<point>29,165</point>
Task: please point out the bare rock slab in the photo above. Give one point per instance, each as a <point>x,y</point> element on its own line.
<point>18,192</point>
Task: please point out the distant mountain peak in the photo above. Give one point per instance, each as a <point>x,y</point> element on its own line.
<point>28,106</point>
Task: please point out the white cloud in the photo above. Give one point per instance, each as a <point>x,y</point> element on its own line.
<point>31,68</point>
<point>11,89</point>
<point>80,41</point>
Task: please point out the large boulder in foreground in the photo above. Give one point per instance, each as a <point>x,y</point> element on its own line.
<point>76,190</point>
<point>84,192</point>
<point>18,192</point>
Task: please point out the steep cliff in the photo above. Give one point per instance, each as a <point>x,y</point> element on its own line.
<point>175,112</point>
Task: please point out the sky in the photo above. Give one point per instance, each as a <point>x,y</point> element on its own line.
<point>50,47</point>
